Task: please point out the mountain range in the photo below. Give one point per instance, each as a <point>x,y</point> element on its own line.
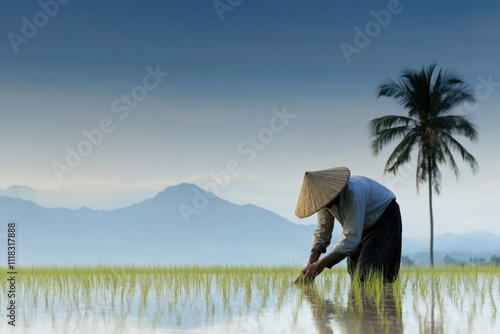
<point>155,231</point>
<point>183,225</point>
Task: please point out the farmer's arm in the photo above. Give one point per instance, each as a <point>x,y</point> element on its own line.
<point>321,240</point>
<point>352,230</point>
<point>322,235</point>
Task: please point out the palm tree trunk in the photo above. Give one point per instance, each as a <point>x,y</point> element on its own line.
<point>430,212</point>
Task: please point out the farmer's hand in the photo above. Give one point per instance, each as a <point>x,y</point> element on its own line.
<point>313,258</point>
<point>312,270</point>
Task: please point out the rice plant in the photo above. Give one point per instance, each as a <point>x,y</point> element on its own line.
<point>170,297</point>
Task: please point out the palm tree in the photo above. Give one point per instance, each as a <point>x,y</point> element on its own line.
<point>430,99</point>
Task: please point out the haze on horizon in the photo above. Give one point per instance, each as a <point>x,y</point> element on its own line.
<point>159,93</point>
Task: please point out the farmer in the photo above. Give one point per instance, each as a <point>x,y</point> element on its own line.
<point>370,220</point>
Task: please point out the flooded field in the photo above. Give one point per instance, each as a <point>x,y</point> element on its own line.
<point>250,300</point>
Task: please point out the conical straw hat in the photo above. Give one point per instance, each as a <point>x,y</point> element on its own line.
<point>319,188</point>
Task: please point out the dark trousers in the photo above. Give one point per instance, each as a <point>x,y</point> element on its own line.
<point>380,247</point>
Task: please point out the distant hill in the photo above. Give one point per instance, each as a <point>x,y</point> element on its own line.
<point>155,231</point>
<point>478,241</point>
<point>23,192</point>
<point>461,247</point>
<point>185,225</point>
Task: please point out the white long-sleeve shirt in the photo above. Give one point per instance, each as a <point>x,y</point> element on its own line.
<point>361,204</point>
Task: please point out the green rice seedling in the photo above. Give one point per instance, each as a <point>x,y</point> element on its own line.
<point>114,295</point>
<point>145,285</point>
<point>247,283</point>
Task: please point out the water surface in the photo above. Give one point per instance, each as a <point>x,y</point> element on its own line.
<point>253,300</point>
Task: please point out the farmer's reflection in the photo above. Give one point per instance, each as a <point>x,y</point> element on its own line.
<point>360,316</point>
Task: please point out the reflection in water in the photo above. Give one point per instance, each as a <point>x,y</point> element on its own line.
<point>366,312</point>
<point>252,300</point>
<point>429,324</point>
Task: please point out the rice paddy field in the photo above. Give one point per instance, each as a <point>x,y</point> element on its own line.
<point>225,299</point>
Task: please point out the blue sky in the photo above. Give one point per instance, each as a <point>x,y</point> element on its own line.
<point>225,78</point>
